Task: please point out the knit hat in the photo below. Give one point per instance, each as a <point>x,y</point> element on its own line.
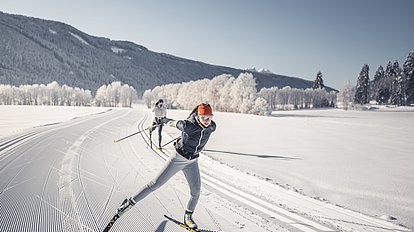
<point>204,109</point>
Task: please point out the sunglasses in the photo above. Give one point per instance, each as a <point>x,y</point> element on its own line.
<point>206,117</point>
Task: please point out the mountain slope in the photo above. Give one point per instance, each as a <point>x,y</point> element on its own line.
<point>40,51</point>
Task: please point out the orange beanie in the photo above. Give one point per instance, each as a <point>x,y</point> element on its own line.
<point>204,109</point>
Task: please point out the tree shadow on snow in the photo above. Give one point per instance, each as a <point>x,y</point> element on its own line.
<point>263,156</point>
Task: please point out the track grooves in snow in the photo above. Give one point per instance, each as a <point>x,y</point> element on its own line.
<point>71,177</point>
<point>299,222</point>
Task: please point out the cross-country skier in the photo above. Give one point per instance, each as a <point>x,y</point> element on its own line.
<point>195,132</point>
<point>160,113</point>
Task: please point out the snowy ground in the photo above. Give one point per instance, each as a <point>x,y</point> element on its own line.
<point>14,119</point>
<point>257,173</point>
<point>361,160</point>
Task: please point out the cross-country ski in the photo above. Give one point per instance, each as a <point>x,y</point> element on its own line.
<point>181,224</point>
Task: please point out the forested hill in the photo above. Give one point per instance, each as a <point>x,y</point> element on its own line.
<point>35,51</point>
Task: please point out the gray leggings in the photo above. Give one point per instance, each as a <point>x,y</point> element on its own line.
<point>172,166</point>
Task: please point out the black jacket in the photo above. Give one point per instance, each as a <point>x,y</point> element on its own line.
<point>193,136</point>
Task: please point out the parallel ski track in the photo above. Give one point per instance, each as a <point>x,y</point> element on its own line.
<point>8,155</point>
<point>83,192</point>
<point>39,217</point>
<point>11,141</point>
<point>119,186</point>
<point>20,140</point>
<point>9,145</point>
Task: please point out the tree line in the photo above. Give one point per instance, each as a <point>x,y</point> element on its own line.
<point>394,85</point>
<point>113,95</point>
<point>229,94</point>
<point>226,93</point>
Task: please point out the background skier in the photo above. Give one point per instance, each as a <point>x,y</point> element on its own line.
<point>160,113</point>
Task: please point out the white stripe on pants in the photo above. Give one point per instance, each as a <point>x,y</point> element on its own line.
<point>174,164</point>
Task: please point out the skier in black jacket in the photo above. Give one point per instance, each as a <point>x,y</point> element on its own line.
<point>195,132</point>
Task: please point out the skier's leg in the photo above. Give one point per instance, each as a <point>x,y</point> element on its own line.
<point>172,166</point>
<point>150,132</point>
<point>153,124</point>
<point>192,174</point>
<point>159,135</point>
<point>169,169</point>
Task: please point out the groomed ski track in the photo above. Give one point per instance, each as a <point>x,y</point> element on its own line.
<point>71,177</point>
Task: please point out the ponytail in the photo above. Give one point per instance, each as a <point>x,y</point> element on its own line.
<point>194,111</point>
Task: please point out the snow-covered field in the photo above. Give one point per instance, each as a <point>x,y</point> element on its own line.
<point>14,119</point>
<point>359,160</point>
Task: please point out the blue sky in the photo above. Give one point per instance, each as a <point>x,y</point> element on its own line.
<point>292,37</point>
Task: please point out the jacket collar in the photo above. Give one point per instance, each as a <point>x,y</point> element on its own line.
<point>193,120</point>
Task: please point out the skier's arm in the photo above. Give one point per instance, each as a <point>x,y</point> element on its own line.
<point>169,122</point>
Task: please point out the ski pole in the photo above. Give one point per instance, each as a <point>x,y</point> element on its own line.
<point>150,127</point>
<point>170,142</point>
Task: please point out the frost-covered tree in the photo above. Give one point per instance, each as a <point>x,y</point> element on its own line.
<point>7,95</point>
<point>408,74</point>
<point>216,89</point>
<point>361,94</point>
<point>261,107</point>
<point>318,83</point>
<point>270,94</point>
<point>243,93</point>
<point>115,94</point>
<point>100,97</point>
<point>224,92</point>
<point>40,94</point>
<point>54,93</point>
<point>346,95</point>
<point>127,96</point>
<point>229,94</point>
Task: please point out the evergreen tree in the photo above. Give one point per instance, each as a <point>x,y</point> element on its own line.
<point>408,75</point>
<point>318,83</point>
<point>380,87</point>
<point>389,72</point>
<point>361,94</point>
<point>397,86</point>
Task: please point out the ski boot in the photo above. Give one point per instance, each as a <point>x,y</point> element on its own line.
<point>125,206</point>
<point>188,221</point>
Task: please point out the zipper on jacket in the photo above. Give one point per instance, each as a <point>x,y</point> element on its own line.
<point>199,141</point>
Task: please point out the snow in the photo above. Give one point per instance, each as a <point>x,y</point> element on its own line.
<point>52,31</point>
<point>80,39</point>
<point>265,70</point>
<point>117,50</point>
<point>359,160</point>
<point>14,119</point>
<point>260,70</point>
